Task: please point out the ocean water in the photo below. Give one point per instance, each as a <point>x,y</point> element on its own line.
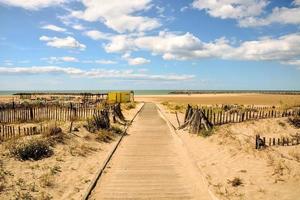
<point>152,92</point>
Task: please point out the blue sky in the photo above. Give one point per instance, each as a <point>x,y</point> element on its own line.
<point>149,44</point>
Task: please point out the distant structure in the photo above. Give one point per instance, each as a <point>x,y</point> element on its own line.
<point>120,97</point>
<point>110,97</point>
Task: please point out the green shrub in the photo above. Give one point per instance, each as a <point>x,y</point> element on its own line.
<point>33,149</point>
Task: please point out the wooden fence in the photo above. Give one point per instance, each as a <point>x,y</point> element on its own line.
<point>199,118</point>
<point>15,105</point>
<point>10,132</point>
<point>45,113</point>
<point>236,117</point>
<point>283,141</point>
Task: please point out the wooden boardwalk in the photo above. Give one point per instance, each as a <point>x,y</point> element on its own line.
<point>150,163</point>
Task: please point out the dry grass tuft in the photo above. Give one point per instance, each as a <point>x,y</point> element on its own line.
<point>55,135</point>
<point>295,121</point>
<point>295,154</point>
<point>46,180</point>
<point>129,106</point>
<point>282,124</point>
<point>81,149</point>
<point>105,136</point>
<point>174,107</point>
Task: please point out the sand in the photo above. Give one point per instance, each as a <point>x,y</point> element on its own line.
<point>211,99</point>
<point>67,173</point>
<point>273,173</point>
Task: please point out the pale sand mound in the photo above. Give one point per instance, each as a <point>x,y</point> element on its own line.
<point>273,173</point>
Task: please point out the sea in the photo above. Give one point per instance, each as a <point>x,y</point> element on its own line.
<point>153,92</point>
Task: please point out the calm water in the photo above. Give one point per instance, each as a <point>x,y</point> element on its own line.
<point>153,92</point>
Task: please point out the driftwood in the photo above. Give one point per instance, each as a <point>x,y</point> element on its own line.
<point>195,119</point>
<point>102,119</point>
<point>117,114</point>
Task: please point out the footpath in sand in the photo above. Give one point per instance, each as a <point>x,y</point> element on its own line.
<point>150,163</point>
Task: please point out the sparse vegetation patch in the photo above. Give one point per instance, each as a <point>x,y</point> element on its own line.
<point>33,149</point>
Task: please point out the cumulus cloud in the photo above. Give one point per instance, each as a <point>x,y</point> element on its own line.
<point>233,9</point>
<point>118,15</point>
<point>97,35</point>
<point>250,13</point>
<point>93,73</point>
<point>174,46</point>
<point>135,61</point>
<point>281,15</point>
<point>32,4</point>
<point>283,48</point>
<point>170,45</point>
<point>67,42</point>
<point>54,28</point>
<point>54,59</point>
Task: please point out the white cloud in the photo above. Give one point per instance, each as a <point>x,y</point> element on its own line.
<point>78,27</point>
<point>105,62</point>
<point>32,4</point>
<point>118,15</point>
<point>120,43</point>
<point>249,13</point>
<point>54,28</point>
<point>93,73</point>
<point>135,61</point>
<point>172,46</point>
<point>292,62</point>
<point>281,15</point>
<point>67,42</point>
<point>283,48</point>
<point>96,35</point>
<point>138,61</point>
<point>233,9</point>
<point>54,59</point>
<point>296,2</point>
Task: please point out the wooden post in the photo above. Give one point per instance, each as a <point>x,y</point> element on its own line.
<point>177,119</point>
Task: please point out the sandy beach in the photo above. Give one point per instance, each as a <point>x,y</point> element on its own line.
<point>211,99</point>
